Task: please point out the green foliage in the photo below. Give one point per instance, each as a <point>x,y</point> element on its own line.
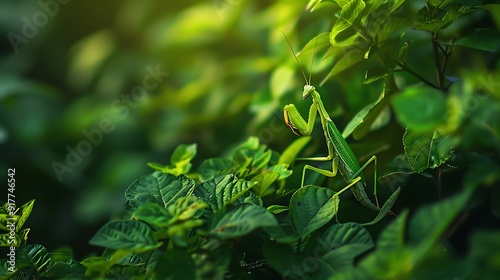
<point>180,162</point>
<point>311,208</point>
<point>423,150</point>
<point>138,236</point>
<point>398,257</point>
<point>12,220</point>
<point>415,82</point>
<point>420,108</point>
<point>35,261</point>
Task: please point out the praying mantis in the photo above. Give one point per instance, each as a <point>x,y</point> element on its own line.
<point>339,152</point>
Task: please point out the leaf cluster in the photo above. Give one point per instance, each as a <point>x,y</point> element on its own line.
<point>243,216</point>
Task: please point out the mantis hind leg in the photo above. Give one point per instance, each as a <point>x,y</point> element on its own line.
<point>357,173</point>
<point>355,177</point>
<point>324,172</point>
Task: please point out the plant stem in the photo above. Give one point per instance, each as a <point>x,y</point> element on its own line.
<point>446,55</point>
<point>417,75</point>
<point>439,69</point>
<point>439,184</point>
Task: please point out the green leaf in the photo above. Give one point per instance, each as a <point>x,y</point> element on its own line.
<point>251,157</point>
<point>283,233</point>
<point>281,81</point>
<point>244,152</point>
<point>494,13</point>
<point>312,207</point>
<point>276,209</point>
<point>186,208</point>
<point>63,266</point>
<point>393,236</point>
<point>19,238</point>
<point>125,272</point>
<point>159,167</point>
<point>385,208</point>
<point>222,191</point>
<point>180,161</point>
<point>5,240</point>
<point>420,107</point>
<point>375,73</point>
<point>213,167</point>
<point>212,259</point>
<point>483,173</point>
<point>281,169</point>
<point>175,264</point>
<point>343,258</point>
<point>5,220</point>
<point>96,266</point>
<point>288,156</point>
<point>242,220</point>
<point>311,6</point>
<point>398,264</point>
<point>178,231</point>
<point>280,257</point>
<point>350,14</point>
<point>183,155</point>
<point>386,52</point>
<point>250,198</point>
<point>129,235</point>
<point>430,222</point>
<point>290,264</point>
<point>342,35</point>
<point>25,213</point>
<point>264,181</point>
<point>403,53</point>
<point>32,258</point>
<point>362,122</point>
<point>260,160</point>
<point>119,264</point>
<point>345,234</point>
<point>320,41</point>
<point>486,39</point>
<point>397,171</point>
<point>350,58</point>
<point>462,3</point>
<point>423,150</point>
<point>178,217</point>
<point>431,18</point>
<point>160,188</point>
<point>485,253</point>
<point>153,214</point>
<point>349,274</point>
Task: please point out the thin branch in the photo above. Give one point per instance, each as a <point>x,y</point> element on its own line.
<point>443,50</point>
<point>445,62</point>
<point>447,55</point>
<point>440,76</point>
<point>417,75</point>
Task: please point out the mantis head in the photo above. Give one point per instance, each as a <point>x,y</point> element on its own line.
<point>308,89</point>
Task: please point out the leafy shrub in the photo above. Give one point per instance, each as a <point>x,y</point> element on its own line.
<point>245,216</point>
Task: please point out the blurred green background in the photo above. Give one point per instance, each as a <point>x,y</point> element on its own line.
<point>67,66</point>
<point>141,77</point>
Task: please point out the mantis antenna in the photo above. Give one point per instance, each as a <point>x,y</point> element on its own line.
<point>296,59</point>
<point>312,59</point>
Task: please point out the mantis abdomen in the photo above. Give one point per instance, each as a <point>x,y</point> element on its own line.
<point>348,165</point>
